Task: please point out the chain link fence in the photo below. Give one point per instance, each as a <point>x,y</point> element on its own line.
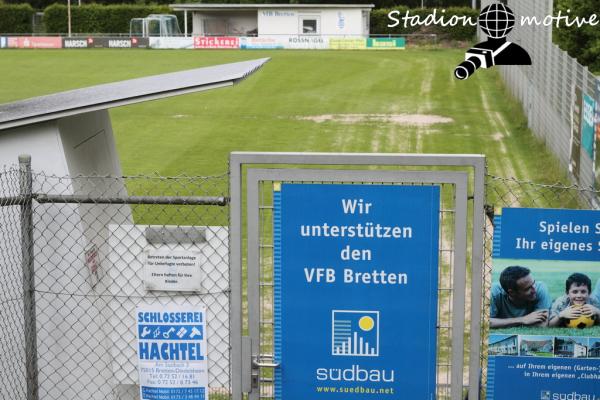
<point>72,265</point>
<point>547,89</point>
<point>72,252</point>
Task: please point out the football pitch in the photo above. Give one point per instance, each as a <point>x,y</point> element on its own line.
<point>318,101</point>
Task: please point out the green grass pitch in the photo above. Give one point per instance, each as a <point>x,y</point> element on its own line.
<point>193,134</point>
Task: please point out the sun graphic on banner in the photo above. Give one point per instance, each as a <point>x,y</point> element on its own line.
<point>366,323</point>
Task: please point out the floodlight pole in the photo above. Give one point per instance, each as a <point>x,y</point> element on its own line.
<point>69,18</point>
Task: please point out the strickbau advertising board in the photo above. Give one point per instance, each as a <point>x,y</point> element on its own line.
<point>544,338</point>
<point>356,275</point>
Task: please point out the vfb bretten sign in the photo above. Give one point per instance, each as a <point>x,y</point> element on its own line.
<point>356,272</point>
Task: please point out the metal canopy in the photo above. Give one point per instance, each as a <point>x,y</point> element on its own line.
<point>79,101</point>
<point>229,7</point>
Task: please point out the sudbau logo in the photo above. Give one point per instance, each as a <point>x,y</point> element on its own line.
<point>548,395</point>
<point>496,21</point>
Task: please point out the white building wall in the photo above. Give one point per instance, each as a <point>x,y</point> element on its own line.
<point>277,22</point>
<point>225,23</point>
<point>73,360</point>
<point>341,22</point>
<point>41,141</point>
<point>332,22</point>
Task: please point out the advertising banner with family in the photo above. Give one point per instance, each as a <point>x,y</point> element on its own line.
<point>545,305</point>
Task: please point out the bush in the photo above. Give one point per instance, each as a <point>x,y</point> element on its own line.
<point>380,21</point>
<point>16,18</point>
<point>582,43</point>
<point>42,4</point>
<point>95,18</point>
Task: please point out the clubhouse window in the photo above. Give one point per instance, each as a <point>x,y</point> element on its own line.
<point>310,26</point>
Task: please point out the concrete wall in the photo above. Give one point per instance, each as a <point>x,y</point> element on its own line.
<point>73,360</point>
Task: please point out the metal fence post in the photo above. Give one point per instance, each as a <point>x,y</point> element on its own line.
<point>29,327</point>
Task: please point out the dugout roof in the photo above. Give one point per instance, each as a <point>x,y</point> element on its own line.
<point>229,7</point>
<point>79,101</point>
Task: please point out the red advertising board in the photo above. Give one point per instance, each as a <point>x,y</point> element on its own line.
<point>216,42</point>
<point>35,42</point>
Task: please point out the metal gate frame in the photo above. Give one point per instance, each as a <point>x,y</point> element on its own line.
<point>241,162</point>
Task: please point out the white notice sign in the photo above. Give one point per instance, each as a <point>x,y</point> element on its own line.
<point>175,270</point>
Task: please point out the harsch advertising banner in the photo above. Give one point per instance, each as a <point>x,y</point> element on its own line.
<point>544,340</point>
<point>118,42</point>
<point>356,270</point>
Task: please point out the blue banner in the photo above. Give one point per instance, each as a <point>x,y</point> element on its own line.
<point>544,338</point>
<point>355,291</point>
<point>547,234</point>
<point>172,352</point>
<point>543,378</point>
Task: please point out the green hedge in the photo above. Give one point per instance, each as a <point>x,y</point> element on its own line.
<point>582,43</point>
<point>16,18</point>
<point>380,21</point>
<point>95,18</point>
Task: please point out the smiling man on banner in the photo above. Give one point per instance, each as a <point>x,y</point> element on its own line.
<point>518,300</point>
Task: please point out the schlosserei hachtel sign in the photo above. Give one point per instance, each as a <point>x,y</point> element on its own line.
<point>356,276</point>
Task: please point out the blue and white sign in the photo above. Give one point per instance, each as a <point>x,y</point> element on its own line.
<point>172,353</point>
<point>588,126</point>
<point>3,42</point>
<point>548,234</point>
<point>356,274</point>
<point>544,340</point>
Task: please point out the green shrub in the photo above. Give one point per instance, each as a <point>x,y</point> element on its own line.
<point>380,21</point>
<point>16,18</point>
<point>95,18</point>
<point>582,43</point>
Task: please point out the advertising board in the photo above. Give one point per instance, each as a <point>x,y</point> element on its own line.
<point>171,42</point>
<point>544,340</point>
<point>77,43</point>
<point>216,42</point>
<point>386,43</point>
<point>118,42</point>
<point>261,43</point>
<point>587,125</point>
<point>347,44</point>
<point>172,359</point>
<point>35,42</point>
<point>356,272</point>
<point>576,123</point>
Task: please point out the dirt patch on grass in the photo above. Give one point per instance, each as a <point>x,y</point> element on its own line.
<point>398,119</point>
